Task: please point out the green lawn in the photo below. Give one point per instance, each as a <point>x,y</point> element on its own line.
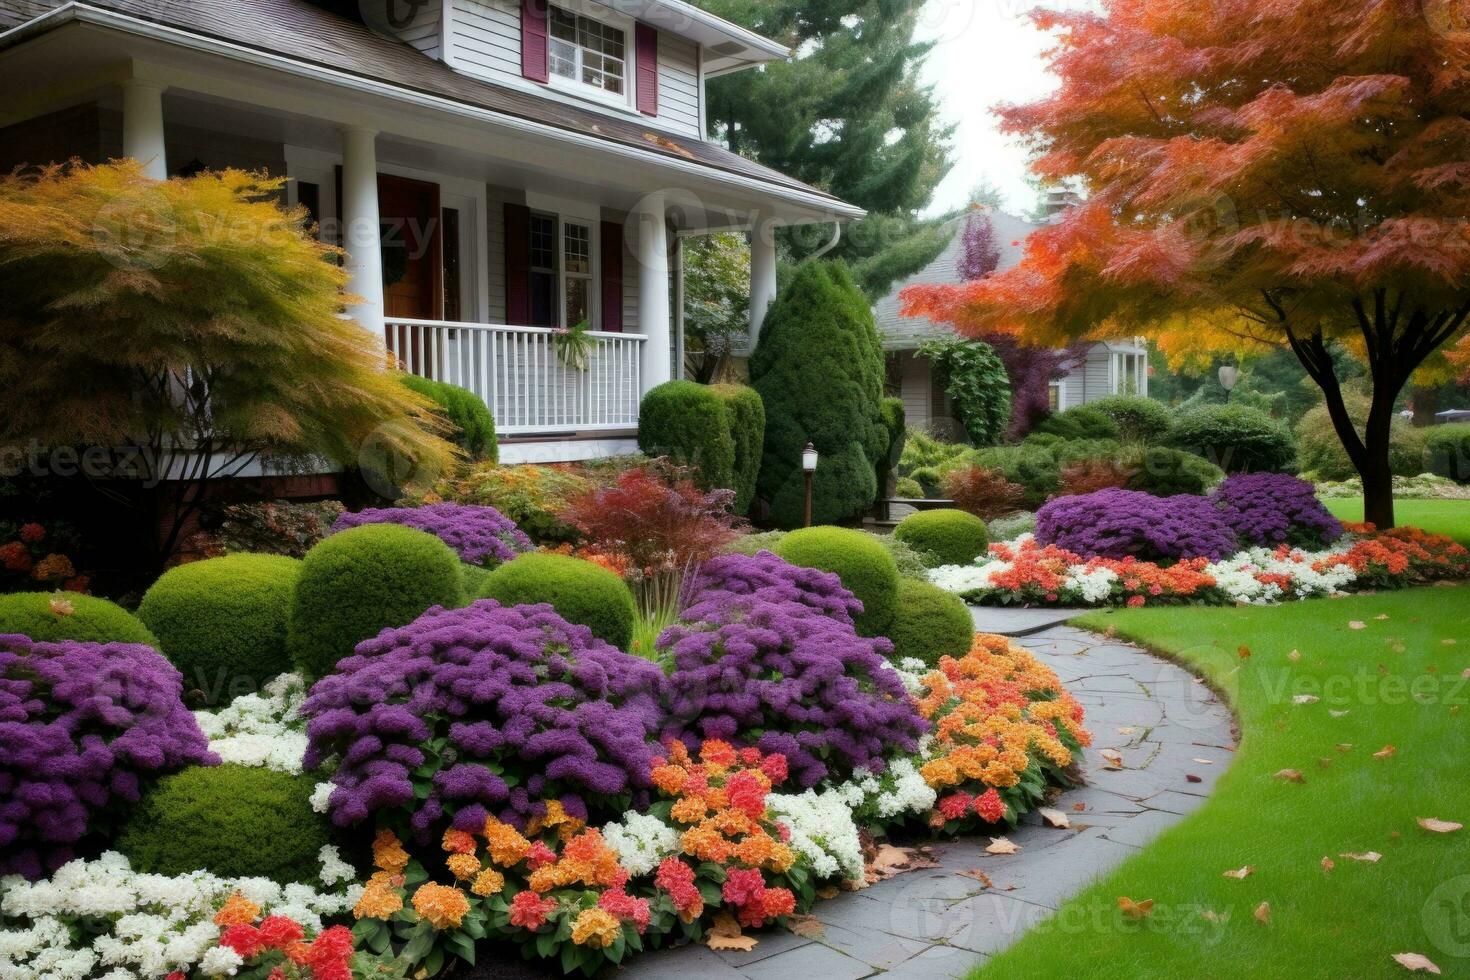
<point>1399,681</point>
<point>1451,517</point>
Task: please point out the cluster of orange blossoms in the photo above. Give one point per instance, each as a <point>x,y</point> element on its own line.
<point>1044,571</point>
<point>988,720</point>
<point>1403,550</point>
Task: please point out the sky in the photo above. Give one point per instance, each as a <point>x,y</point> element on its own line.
<point>986,51</point>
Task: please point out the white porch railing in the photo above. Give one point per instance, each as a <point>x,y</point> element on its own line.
<point>516,371</point>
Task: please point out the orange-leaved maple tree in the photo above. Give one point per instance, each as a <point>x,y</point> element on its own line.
<point>1259,173</point>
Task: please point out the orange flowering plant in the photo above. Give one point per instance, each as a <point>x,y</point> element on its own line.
<point>1004,731</point>
<point>1390,559</point>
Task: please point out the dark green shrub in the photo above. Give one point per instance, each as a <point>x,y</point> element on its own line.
<point>474,426</point>
<point>864,565</point>
<point>1235,438</point>
<point>891,409</point>
<point>1165,472</point>
<point>233,821</point>
<point>52,616</point>
<point>358,583</point>
<point>930,623</point>
<point>1031,465</point>
<point>689,423</point>
<point>222,622</point>
<point>580,592</point>
<point>747,417</point>
<point>1081,422</point>
<point>1320,453</point>
<point>473,577</point>
<point>1066,451</point>
<point>978,386</point>
<point>1138,419</point>
<point>953,537</point>
<point>819,370</point>
<point>1447,451</point>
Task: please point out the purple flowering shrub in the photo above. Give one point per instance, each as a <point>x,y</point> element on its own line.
<point>484,710</point>
<point>768,577</point>
<point>480,535</point>
<point>1124,523</point>
<point>1276,508</point>
<point>766,672</point>
<point>83,728</point>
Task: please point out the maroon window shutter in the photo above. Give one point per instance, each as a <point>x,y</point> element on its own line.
<point>612,276</point>
<point>647,59</point>
<point>517,265</point>
<point>533,40</point>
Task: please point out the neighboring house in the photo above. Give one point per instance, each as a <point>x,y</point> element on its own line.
<point>495,169</point>
<point>1116,367</point>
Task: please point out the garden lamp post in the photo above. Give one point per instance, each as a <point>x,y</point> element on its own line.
<point>1229,375</point>
<point>808,468</point>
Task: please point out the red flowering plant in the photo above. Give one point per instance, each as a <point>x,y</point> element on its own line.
<point>34,556</point>
<point>276,947</point>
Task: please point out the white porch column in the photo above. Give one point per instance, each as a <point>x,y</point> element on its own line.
<point>142,135</point>
<point>762,272</point>
<point>361,232</point>
<point>653,290</point>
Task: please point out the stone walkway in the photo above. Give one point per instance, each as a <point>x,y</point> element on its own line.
<point>941,923</point>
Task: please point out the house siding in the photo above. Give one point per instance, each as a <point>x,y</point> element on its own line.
<point>678,84</point>
<point>52,138</point>
<point>423,31</point>
<point>497,198</point>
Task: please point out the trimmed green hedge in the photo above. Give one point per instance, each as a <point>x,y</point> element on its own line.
<point>746,415</point>
<point>474,426</point>
<point>930,623</point>
<point>891,411</point>
<point>1079,422</point>
<point>1447,451</point>
<point>357,583</point>
<point>1138,419</point>
<point>233,821</point>
<point>1166,472</point>
<point>222,621</point>
<point>34,614</point>
<point>580,592</point>
<point>953,537</point>
<point>688,423</point>
<point>1235,438</point>
<point>864,565</point>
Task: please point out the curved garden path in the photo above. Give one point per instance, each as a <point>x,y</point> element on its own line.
<point>940,922</point>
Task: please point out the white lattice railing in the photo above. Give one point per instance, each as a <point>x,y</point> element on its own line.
<point>516,371</point>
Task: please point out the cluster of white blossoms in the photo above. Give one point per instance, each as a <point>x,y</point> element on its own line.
<point>897,793</point>
<point>1239,576</point>
<point>641,842</point>
<point>102,919</point>
<point>262,729</point>
<point>822,831</point>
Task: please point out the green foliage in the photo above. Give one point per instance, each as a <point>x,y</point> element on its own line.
<point>819,370</point>
<point>233,821</point>
<point>51,616</point>
<point>1447,451</point>
<point>357,583</point>
<point>1079,422</point>
<point>277,527</point>
<point>1032,466</point>
<point>1138,419</point>
<point>952,537</point>
<point>864,565</point>
<point>1012,526</point>
<point>689,423</point>
<point>921,450</point>
<point>907,486</point>
<point>746,415</point>
<point>531,495</point>
<point>580,592</point>
<point>977,383</point>
<point>891,411</point>
<point>222,621</point>
<point>930,623</point>
<point>473,425</point>
<point>1235,438</point>
<point>751,544</point>
<point>716,300</point>
<point>910,562</point>
<point>1165,472</point>
<point>1320,453</point>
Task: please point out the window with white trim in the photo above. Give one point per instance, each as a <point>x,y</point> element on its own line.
<point>587,53</point>
<point>577,274</point>
<point>1054,394</point>
<point>562,267</point>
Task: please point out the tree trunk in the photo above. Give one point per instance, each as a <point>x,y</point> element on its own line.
<point>1374,467</point>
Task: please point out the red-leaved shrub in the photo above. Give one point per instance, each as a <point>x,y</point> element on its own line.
<point>985,493</point>
<point>1090,475</point>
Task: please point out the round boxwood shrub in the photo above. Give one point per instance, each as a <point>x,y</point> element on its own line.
<point>1080,422</point>
<point>1165,472</point>
<point>864,565</point>
<point>51,616</point>
<point>579,590</point>
<point>930,623</point>
<point>1236,438</point>
<point>474,426</point>
<point>233,821</point>
<point>359,582</point>
<point>953,537</point>
<point>690,424</point>
<point>1138,419</point>
<point>1447,451</point>
<point>907,486</point>
<point>222,621</point>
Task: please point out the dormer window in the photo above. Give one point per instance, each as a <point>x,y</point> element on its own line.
<point>588,54</point>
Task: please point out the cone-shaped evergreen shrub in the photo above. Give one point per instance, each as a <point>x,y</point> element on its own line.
<point>819,370</point>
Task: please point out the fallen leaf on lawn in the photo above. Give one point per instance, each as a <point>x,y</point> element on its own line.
<point>1190,777</point>
<point>1079,807</point>
<point>1328,864</point>
<point>1305,699</point>
<point>1385,752</point>
<point>1263,913</point>
<point>1205,762</point>
<point>1112,757</point>
<point>1002,845</point>
<point>1344,746</point>
<point>1415,962</point>
<point>1324,762</point>
<point>1381,616</point>
<point>1337,714</point>
<point>1290,776</point>
<point>891,860</point>
<point>725,934</point>
<point>1136,910</point>
<point>979,876</point>
<point>1357,624</point>
<point>1294,656</point>
<point>1367,857</point>
<point>1239,874</point>
<point>1244,651</point>
<point>806,926</point>
<point>1448,641</point>
<point>1440,826</point>
<point>1465,673</point>
<point>1210,915</point>
<point>1054,818</point>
